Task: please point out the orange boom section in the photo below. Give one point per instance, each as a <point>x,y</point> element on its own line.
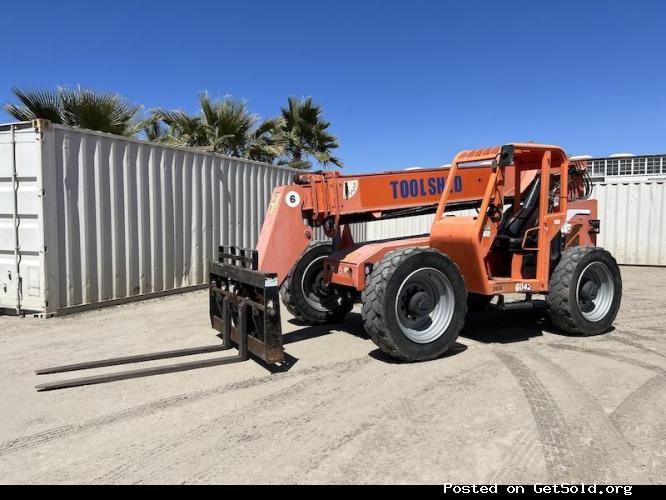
<point>330,200</point>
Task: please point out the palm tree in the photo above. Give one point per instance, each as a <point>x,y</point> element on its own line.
<point>305,134</point>
<point>229,124</point>
<point>82,108</point>
<point>223,126</point>
<point>265,142</point>
<point>183,129</point>
<point>36,104</point>
<point>155,132</point>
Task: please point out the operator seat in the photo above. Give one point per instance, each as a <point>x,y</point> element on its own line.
<point>512,229</point>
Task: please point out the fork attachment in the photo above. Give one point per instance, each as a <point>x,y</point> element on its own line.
<point>245,300</point>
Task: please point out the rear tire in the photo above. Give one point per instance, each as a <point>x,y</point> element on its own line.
<point>414,304</point>
<point>585,291</point>
<point>307,297</point>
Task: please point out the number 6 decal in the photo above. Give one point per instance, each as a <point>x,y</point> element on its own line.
<point>293,199</point>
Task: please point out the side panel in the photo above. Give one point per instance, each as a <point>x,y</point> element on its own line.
<point>460,238</point>
<point>122,219</point>
<point>347,266</point>
<point>283,235</point>
<point>21,233</point>
<point>633,220</point>
<point>577,230</point>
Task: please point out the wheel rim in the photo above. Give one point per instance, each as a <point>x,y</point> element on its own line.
<point>424,306</point>
<point>317,293</point>
<point>595,291</point>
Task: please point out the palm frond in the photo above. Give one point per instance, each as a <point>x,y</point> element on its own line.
<point>183,128</point>
<point>36,104</point>
<point>304,134</point>
<point>110,113</point>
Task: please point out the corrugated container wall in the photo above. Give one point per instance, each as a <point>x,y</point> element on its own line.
<point>87,218</point>
<point>632,214</point>
<point>633,220</point>
<point>406,226</point>
<point>102,217</point>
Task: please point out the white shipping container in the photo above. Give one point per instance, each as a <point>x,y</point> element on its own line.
<point>89,218</point>
<point>633,220</point>
<point>632,214</point>
<point>407,226</point>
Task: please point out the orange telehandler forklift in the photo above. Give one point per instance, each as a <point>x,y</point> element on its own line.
<point>533,231</point>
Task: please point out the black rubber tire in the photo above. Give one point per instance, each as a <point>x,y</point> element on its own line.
<point>561,300</point>
<point>381,292</point>
<point>293,296</point>
<point>478,302</point>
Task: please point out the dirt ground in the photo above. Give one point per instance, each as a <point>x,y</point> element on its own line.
<point>513,403</point>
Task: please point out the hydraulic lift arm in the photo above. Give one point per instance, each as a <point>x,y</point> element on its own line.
<point>330,200</point>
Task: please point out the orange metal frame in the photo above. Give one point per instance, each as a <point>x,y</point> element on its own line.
<point>371,196</point>
<point>331,201</point>
<point>468,240</point>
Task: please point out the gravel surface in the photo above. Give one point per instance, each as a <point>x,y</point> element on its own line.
<point>512,403</point>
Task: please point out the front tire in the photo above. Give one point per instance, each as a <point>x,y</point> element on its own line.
<point>585,291</point>
<point>414,304</point>
<point>305,294</point>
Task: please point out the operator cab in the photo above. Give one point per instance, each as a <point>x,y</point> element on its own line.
<point>511,235</point>
<point>503,247</point>
<point>513,227</point>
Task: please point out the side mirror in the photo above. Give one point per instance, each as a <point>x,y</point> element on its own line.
<point>506,156</point>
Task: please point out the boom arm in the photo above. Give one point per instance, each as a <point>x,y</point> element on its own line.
<point>380,196</point>
<point>330,200</point>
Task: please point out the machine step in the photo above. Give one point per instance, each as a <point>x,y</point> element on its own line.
<point>522,305</point>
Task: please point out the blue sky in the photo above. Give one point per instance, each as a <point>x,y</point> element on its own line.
<point>404,83</point>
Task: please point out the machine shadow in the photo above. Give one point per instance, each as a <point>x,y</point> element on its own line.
<point>352,325</point>
<point>492,326</point>
<point>489,326</point>
<point>378,354</point>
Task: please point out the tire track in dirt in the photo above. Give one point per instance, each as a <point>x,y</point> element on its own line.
<point>403,408</point>
<point>633,343</point>
<point>635,417</point>
<point>554,432</point>
<point>605,452</point>
<point>641,334</point>
<point>514,453</point>
<point>30,441</point>
<point>88,467</point>
<point>641,417</point>
<point>520,455</point>
<point>607,354</point>
<point>238,456</point>
<point>579,440</point>
<point>654,328</point>
<point>648,314</point>
<point>296,425</point>
<point>654,389</point>
<point>226,425</point>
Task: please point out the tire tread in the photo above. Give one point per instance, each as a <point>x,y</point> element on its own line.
<point>558,298</point>
<point>373,295</point>
<point>299,312</point>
